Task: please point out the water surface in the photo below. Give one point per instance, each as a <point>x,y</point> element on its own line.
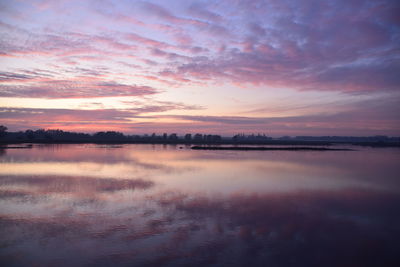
<point>158,205</point>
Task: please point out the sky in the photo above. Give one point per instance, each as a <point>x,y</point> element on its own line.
<point>277,67</point>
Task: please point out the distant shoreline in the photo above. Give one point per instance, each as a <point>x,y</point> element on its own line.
<point>290,148</point>
<point>49,136</point>
<point>207,145</point>
<point>240,148</point>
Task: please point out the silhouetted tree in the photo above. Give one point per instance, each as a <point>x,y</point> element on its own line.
<point>109,136</point>
<point>3,130</point>
<point>173,137</point>
<point>198,137</point>
<point>30,134</point>
<point>188,137</point>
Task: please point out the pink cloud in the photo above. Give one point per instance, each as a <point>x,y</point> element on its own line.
<point>77,88</point>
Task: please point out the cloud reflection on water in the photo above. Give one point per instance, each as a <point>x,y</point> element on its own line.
<point>54,184</point>
<point>212,216</point>
<point>330,228</point>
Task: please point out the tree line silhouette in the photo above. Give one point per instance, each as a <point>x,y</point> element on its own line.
<point>60,136</point>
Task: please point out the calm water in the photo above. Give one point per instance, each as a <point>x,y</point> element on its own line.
<point>145,205</point>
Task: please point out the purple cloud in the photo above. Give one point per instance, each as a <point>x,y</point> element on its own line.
<point>164,14</point>
<point>198,10</point>
<point>309,50</point>
<point>74,89</point>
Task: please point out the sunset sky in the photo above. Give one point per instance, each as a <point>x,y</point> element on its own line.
<point>279,67</point>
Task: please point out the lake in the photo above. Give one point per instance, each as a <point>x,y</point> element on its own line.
<point>164,205</point>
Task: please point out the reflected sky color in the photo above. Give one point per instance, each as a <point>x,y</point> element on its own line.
<point>290,67</point>
<point>144,205</point>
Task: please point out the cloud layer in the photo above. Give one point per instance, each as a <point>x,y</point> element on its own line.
<point>368,117</point>
<point>120,49</point>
